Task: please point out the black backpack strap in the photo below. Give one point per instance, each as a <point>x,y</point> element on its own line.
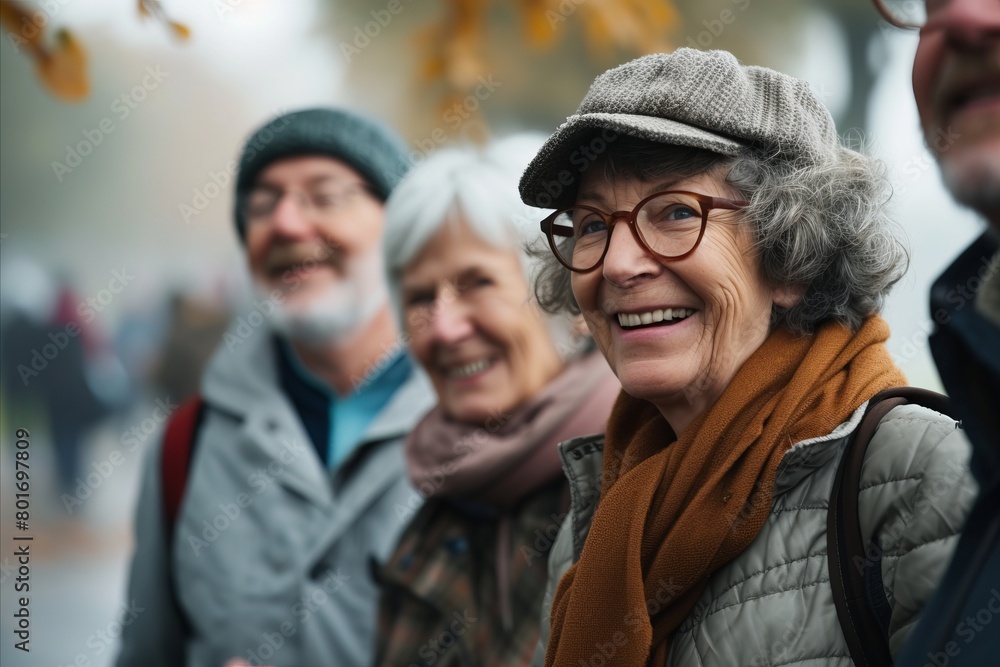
<point>863,610</point>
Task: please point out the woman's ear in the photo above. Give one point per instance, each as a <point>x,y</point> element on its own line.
<point>787,296</point>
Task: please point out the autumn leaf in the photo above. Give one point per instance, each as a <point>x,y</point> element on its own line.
<point>153,8</point>
<point>630,25</point>
<point>538,21</point>
<point>180,30</point>
<point>63,70</point>
<point>452,51</point>
<point>24,31</point>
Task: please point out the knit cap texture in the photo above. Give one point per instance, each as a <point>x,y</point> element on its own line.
<point>368,147</point>
<point>700,99</point>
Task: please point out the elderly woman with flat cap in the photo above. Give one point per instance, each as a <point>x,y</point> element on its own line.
<point>730,258</point>
<point>465,583</point>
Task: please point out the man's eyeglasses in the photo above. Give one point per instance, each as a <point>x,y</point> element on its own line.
<point>323,202</point>
<point>670,225</point>
<point>909,14</point>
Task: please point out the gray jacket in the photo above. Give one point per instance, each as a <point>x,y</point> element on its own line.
<point>772,605</point>
<point>271,554</point>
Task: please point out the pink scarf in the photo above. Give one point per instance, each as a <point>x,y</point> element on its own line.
<point>511,455</point>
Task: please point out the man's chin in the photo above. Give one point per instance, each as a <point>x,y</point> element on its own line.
<point>972,175</point>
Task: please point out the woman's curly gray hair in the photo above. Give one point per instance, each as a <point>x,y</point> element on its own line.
<point>821,227</point>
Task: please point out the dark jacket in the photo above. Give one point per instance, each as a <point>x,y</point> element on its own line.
<point>465,585</point>
<point>961,624</point>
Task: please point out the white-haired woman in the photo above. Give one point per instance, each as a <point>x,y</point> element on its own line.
<point>465,584</point>
<point>730,258</point>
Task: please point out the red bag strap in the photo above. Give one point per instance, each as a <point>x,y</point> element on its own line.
<point>178,445</point>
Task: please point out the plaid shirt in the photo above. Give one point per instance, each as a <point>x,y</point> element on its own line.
<point>443,600</point>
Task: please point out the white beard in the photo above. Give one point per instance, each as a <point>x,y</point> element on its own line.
<point>341,311</point>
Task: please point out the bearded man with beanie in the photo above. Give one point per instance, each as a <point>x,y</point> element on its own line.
<point>296,468</point>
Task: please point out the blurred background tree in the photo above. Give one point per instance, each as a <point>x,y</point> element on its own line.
<point>447,47</point>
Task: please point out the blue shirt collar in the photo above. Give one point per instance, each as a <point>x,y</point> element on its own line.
<point>337,424</point>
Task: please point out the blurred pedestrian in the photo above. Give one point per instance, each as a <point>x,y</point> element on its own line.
<point>49,357</point>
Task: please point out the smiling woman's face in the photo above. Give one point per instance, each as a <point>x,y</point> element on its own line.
<point>472,326</point>
<point>720,305</point>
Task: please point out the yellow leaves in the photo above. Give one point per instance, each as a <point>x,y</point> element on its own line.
<point>630,25</point>
<point>179,30</point>
<point>453,49</point>
<point>153,8</point>
<point>25,27</point>
<point>62,68</point>
<point>538,22</point>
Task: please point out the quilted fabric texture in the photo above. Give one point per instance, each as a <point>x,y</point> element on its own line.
<point>773,604</point>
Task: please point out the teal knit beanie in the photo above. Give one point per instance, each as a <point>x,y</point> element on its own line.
<point>370,148</point>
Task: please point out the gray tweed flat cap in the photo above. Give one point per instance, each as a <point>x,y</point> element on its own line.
<point>369,147</point>
<point>701,99</point>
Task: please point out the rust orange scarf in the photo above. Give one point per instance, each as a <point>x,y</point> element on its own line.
<point>673,511</point>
